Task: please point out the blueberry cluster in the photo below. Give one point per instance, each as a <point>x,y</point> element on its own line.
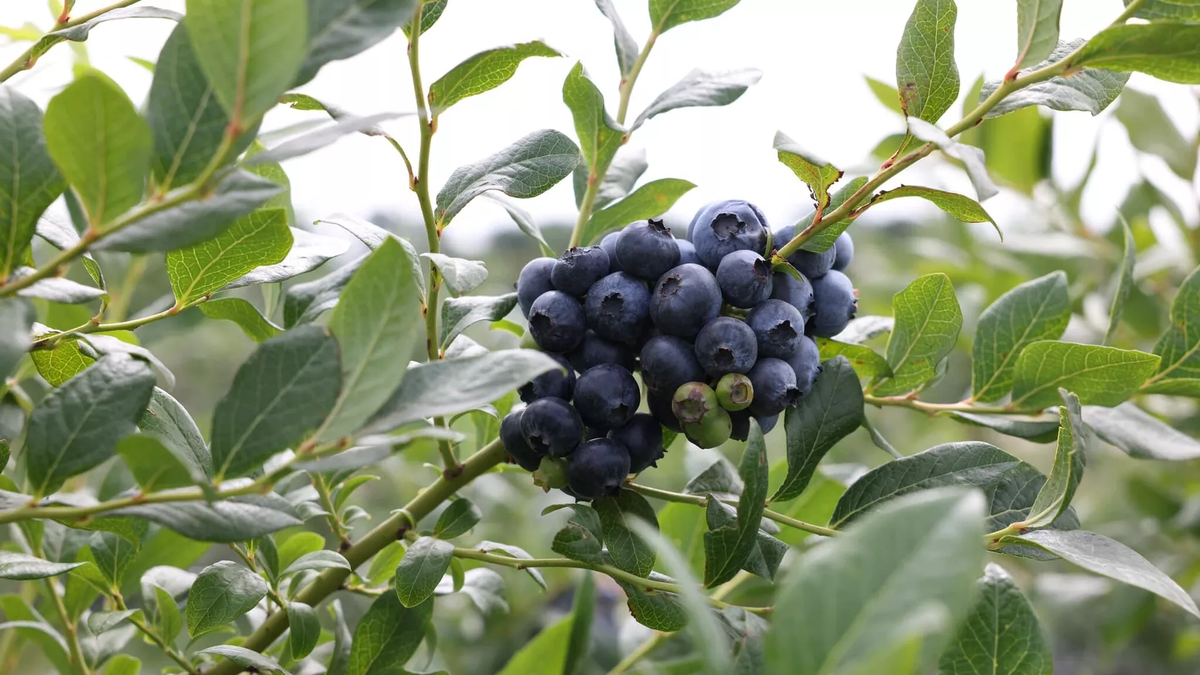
<point>717,334</point>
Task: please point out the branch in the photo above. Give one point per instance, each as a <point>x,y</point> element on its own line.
<point>157,639</point>
<point>385,533</point>
<point>938,408</point>
<point>700,500</point>
<point>26,60</point>
<point>71,632</point>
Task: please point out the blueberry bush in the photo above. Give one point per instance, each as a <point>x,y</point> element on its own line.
<point>139,540</point>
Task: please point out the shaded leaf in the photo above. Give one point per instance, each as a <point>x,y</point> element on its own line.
<point>166,420</point>
<point>1179,347</point>
<point>583,536</point>
<point>309,251</point>
<point>727,547</point>
<point>28,177</point>
<point>866,361</point>
<point>315,140</point>
<point>623,173</point>
<point>1001,633</point>
<point>458,518</point>
<point>524,222</point>
<point>425,562</point>
<point>626,46</point>
<point>317,560</point>
<point>832,410</point>
<point>246,658</point>
<point>460,313</point>
<point>16,326</point>
<point>1040,429</point>
<point>545,653</point>
<point>928,320</point>
<point>513,552</point>
<point>304,629</point>
<point>1032,311</point>
<point>1037,30</point>
<point>1139,434</point>
<point>629,551</point>
<point>701,88</point>
<point>153,465</point>
<point>223,591</point>
<point>1151,130</point>
<point>1098,375</point>
<point>387,635</point>
<point>339,29</point>
<point>229,520</point>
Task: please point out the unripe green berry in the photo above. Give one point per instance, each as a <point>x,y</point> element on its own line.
<point>551,473</point>
<point>712,431</point>
<point>735,392</point>
<point>692,401</point>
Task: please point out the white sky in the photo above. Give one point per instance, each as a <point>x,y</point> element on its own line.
<point>813,54</point>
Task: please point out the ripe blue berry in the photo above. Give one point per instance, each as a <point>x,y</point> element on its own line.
<point>844,247</point>
<point>595,350</point>
<point>741,424</point>
<point>778,327</point>
<point>835,303</point>
<point>606,396</point>
<point>744,278</point>
<point>551,427</point>
<point>617,306</point>
<point>687,252</point>
<point>668,362</point>
<point>578,268</point>
<point>646,250</point>
<point>684,300</point>
<point>642,436</point>
<point>554,383</point>
<point>797,293</point>
<point>556,322</point>
<point>806,363</point>
<point>533,281</point>
<point>609,244</point>
<point>724,227</point>
<point>726,345</point>
<point>515,444</point>
<point>659,402</point>
<point>598,469</point>
<point>813,265</point>
<point>774,387</point>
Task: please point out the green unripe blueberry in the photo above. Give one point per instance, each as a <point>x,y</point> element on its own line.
<point>527,341</point>
<point>692,401</point>
<point>551,473</point>
<point>712,431</point>
<point>734,392</point>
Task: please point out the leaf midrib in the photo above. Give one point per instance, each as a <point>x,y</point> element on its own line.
<point>1013,352</point>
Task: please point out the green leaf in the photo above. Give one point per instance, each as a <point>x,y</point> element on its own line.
<point>185,119</point>
<point>28,177</point>
<point>62,235</point>
<point>1101,555</point>
<point>885,94</point>
<point>339,29</point>
<point>866,361</point>
<point>61,363</point>
<point>1070,458</point>
<point>305,302</point>
<point>928,320</point>
<point>21,567</point>
<point>153,466</point>
<point>222,592</point>
<point>524,169</point>
<point>824,240</point>
<point>1166,50</point>
<point>599,136</point>
<point>1152,131</point>
<point>81,31</point>
<point>482,72</point>
<point>251,51</point>
<point>701,88</point>
<point>1035,310</point>
<point>376,323</point>
<point>297,546</point>
<point>626,46</point>
<point>656,610</point>
<point>1009,485</point>
<point>857,594</point>
<point>309,251</point>
<point>726,548</point>
<point>384,564</point>
<point>304,629</point>
<point>582,615</point>
<point>245,315</point>
<point>629,551</point>
<point>524,222</point>
<point>959,206</point>
<point>1179,371</point>
<point>30,626</point>
<point>1098,375</point>
<point>1037,30</point>
<point>317,560</point>
<point>458,518</point>
<point>461,276</point>
<point>1139,434</point>
<point>1001,633</point>
<point>229,520</point>
<point>649,201</point>
<point>545,653</point>
<point>972,158</point>
<point>388,635</point>
<point>423,566</point>
<point>667,14</point>
<point>450,387</point>
<point>102,622</point>
<point>77,426</point>
<point>1089,90</point>
<point>261,238</point>
<point>1169,10</point>
<point>816,174</point>
<point>721,477</point>
<point>105,156</point>
<point>166,420</point>
<point>16,326</point>
<point>926,75</point>
<point>246,658</point>
<point>1039,429</point>
<point>430,13</point>
<point>57,289</point>
<point>279,395</point>
<point>343,641</point>
<point>832,410</point>
<point>236,196</point>
<point>114,554</point>
<point>583,536</point>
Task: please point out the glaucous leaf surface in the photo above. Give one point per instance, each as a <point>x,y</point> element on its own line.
<point>629,551</point>
<point>1039,429</point>
<point>728,546</point>
<point>972,158</point>
<point>305,302</point>
<point>16,325</point>
<point>28,177</point>
<point>626,168</point>
<point>224,521</point>
<point>1090,90</point>
<point>926,75</point>
<point>1170,10</point>
<point>1070,458</point>
<point>482,72</point>
<point>241,312</point>
<point>57,289</point>
<point>317,560</point>
<point>461,276</point>
<point>649,201</point>
<point>81,31</point>
<point>168,421</point>
<point>423,566</point>
<point>1032,311</point>
<point>1001,634</point>
<point>701,88</point>
<point>626,46</point>
<point>322,137</point>
<point>1140,434</point>
<point>928,320</point>
<point>1037,30</point>
<point>246,658</point>
<point>524,221</point>
<point>309,251</point>
<point>1151,130</point>
<point>20,567</point>
<point>62,235</point>
<point>223,591</point>
<point>261,238</point>
<point>339,29</point>
<point>827,414</point>
<point>1166,50</point>
<point>387,635</point>
<point>1097,375</point>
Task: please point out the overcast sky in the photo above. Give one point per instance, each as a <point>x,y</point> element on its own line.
<point>813,55</point>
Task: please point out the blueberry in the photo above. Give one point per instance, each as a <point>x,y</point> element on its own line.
<point>646,250</point>
<point>712,431</point>
<point>551,427</point>
<point>659,403</point>
<point>693,401</point>
<point>734,392</point>
<point>607,396</point>
<point>617,306</point>
<point>741,424</point>
<point>556,322</point>
<point>797,293</point>
<point>811,265</point>
<point>643,437</point>
<point>835,303</point>
<point>774,387</point>
<point>726,345</point>
<point>778,327</point>
<point>515,444</point>
<point>844,247</point>
<point>598,469</point>
<point>687,252</point>
<point>609,244</point>
<point>744,278</point>
<point>724,227</point>
<point>806,363</point>
<point>684,300</point>
<point>533,281</point>
<point>668,362</point>
<point>554,383</point>
<point>578,268</point>
<point>595,350</point>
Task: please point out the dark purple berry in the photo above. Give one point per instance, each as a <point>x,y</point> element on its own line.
<point>642,436</point>
<point>598,469</point>
<point>607,396</point>
<point>726,345</point>
<point>617,307</point>
<point>684,300</point>
<point>556,322</point>
<point>646,250</point>
<point>744,278</point>
<point>556,383</point>
<point>578,268</point>
<point>551,427</point>
<point>778,328</point>
<point>533,281</point>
